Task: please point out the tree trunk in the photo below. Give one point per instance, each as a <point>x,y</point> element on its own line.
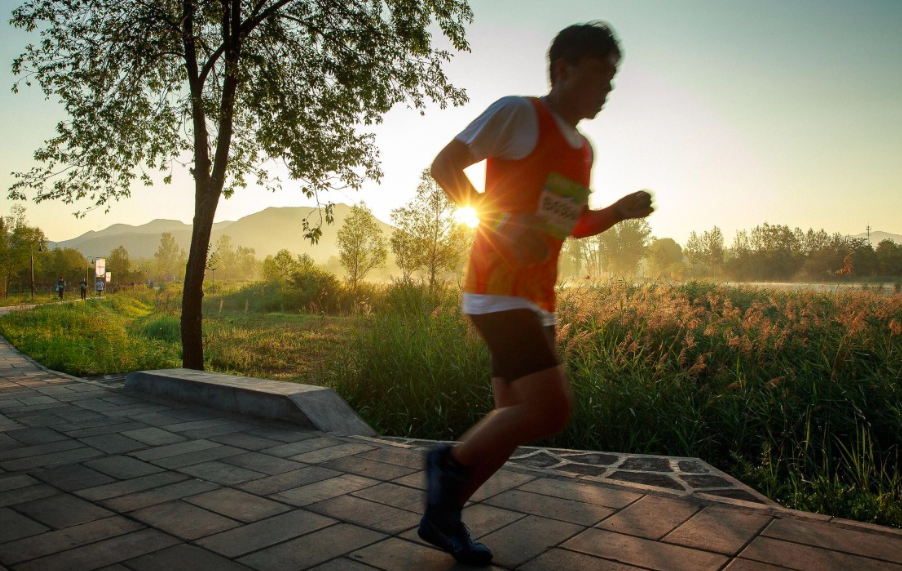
<point>193,292</point>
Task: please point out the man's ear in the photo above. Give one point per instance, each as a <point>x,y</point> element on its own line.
<point>560,69</point>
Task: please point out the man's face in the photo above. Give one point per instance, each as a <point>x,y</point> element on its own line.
<point>586,84</point>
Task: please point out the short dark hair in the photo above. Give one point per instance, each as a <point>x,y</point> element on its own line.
<point>593,39</point>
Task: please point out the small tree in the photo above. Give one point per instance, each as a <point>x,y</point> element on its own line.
<point>664,256</point>
<point>279,268</point>
<point>361,245</point>
<point>624,245</point>
<point>429,237</point>
<point>168,257</point>
<point>119,264</point>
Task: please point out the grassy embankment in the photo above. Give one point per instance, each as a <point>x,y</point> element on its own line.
<point>798,394</point>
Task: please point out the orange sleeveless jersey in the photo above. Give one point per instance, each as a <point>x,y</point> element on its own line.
<point>514,187</point>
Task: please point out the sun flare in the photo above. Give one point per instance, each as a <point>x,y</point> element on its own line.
<point>467,215</point>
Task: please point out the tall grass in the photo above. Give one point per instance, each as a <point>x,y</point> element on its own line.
<point>799,394</point>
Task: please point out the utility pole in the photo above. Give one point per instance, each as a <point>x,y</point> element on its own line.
<point>869,234</point>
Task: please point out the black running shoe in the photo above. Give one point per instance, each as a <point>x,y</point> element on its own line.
<point>441,524</point>
<point>452,535</point>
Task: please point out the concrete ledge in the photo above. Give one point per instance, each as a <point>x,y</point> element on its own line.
<point>317,408</point>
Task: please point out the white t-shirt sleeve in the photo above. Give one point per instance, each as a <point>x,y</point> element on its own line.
<point>508,129</point>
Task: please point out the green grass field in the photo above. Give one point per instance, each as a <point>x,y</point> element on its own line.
<point>798,394</point>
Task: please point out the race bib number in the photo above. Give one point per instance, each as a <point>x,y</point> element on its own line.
<point>560,206</point>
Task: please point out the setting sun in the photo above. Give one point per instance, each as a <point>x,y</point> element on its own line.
<point>467,215</point>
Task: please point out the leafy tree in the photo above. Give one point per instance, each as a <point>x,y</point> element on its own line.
<point>247,263</point>
<point>665,257</point>
<point>18,242</point>
<point>361,245</point>
<point>624,245</point>
<point>889,258</point>
<point>238,83</point>
<point>67,263</point>
<point>280,267</point>
<point>169,257</point>
<point>429,237</point>
<point>119,264</point>
<point>228,257</point>
<point>712,243</point>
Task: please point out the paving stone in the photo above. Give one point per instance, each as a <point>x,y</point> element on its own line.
<point>238,505</point>
<point>647,479</point>
<point>39,449</point>
<point>582,469</point>
<point>105,552</point>
<point>265,463</point>
<point>736,495</point>
<point>15,482</point>
<point>195,424</point>
<point>652,517</point>
<point>38,400</point>
<point>77,415</point>
<point>705,481</point>
<point>558,559</point>
<point>312,549</point>
<point>154,418</point>
<point>21,495</point>
<point>593,458</point>
<point>123,467</point>
<point>721,529</point>
<point>367,514</point>
<point>367,468</point>
<point>73,477</point>
<point>342,564</point>
<point>62,510</point>
<point>415,459</point>
<point>644,552</point>
<point>400,497</point>
<point>808,558</point>
<point>182,448</point>
<point>539,459</point>
<point>416,480</point>
<point>159,495</point>
<point>590,494</point>
<point>66,457</point>
<point>554,508</point>
<point>131,486</point>
<point>35,436</point>
<point>646,464</point>
<point>501,481</point>
<point>61,540</point>
<point>6,442</point>
<point>184,520</point>
<point>41,420</point>
<point>217,430</point>
<point>691,467</point>
<point>78,425</point>
<point>14,526</point>
<point>332,453</point>
<point>749,565</point>
<point>182,460</point>
<point>153,436</point>
<point>526,538</point>
<point>221,473</point>
<point>837,538</point>
<point>394,554</point>
<point>323,490</point>
<point>184,557</point>
<point>300,447</point>
<point>265,533</point>
<point>245,440</point>
<point>284,434</point>
<point>113,443</point>
<point>106,429</point>
<point>288,480</point>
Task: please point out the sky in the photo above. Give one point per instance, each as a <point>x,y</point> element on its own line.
<point>732,113</point>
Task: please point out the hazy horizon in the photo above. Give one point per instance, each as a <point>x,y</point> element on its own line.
<point>733,114</point>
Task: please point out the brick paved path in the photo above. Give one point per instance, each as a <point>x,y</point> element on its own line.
<point>92,477</point>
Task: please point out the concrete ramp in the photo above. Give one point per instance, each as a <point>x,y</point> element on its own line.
<point>317,408</point>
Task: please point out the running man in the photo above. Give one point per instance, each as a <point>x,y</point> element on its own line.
<point>536,195</point>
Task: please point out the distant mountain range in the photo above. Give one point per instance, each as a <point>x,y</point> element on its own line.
<point>266,232</point>
<point>877,237</point>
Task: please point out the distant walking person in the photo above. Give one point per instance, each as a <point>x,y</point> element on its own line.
<point>99,285</point>
<point>61,287</point>
<point>536,195</point>
<point>84,290</point>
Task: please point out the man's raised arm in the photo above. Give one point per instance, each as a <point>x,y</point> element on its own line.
<point>448,171</point>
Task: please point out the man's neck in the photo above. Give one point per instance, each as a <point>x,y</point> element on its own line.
<point>555,103</point>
